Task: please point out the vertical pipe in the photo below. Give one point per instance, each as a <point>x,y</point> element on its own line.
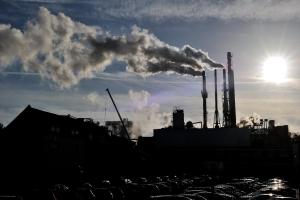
<point>231,91</point>
<point>204,97</point>
<point>216,101</point>
<point>225,101</point>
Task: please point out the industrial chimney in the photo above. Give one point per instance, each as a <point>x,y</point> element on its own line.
<point>204,97</point>
<point>217,120</point>
<point>226,114</point>
<point>231,92</point>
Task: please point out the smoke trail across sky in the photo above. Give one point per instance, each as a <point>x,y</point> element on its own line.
<point>65,51</point>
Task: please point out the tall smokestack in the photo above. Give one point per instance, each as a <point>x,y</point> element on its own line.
<point>217,120</point>
<point>204,97</point>
<point>226,120</point>
<point>231,91</point>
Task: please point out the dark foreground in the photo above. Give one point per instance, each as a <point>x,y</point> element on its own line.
<point>57,157</point>
<point>165,187</point>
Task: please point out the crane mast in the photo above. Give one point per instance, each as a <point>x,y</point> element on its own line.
<point>123,125</point>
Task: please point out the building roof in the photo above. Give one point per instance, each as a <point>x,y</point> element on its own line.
<point>37,120</point>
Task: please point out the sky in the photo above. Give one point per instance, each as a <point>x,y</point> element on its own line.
<point>55,56</point>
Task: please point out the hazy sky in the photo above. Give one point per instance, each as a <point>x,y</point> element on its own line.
<point>251,29</point>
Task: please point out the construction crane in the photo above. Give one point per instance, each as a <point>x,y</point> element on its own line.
<point>123,125</point>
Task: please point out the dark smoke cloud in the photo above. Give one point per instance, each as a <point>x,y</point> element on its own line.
<point>200,55</point>
<point>174,67</point>
<point>65,51</point>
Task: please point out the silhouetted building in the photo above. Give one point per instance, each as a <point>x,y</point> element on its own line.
<point>296,148</point>
<point>257,149</point>
<point>39,145</point>
<point>178,118</point>
<point>116,127</point>
<point>222,150</point>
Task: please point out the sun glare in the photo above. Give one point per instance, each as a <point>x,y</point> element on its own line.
<point>275,69</point>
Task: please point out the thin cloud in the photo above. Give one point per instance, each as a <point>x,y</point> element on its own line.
<point>20,73</point>
<point>196,10</point>
<point>190,10</point>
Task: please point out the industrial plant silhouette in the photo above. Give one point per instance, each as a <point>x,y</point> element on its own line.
<point>42,148</point>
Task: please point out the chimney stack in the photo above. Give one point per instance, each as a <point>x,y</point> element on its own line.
<point>217,120</point>
<point>204,97</point>
<point>226,119</point>
<point>231,91</point>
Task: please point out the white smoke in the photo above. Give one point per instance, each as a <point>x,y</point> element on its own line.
<point>249,121</point>
<point>65,51</point>
<point>52,45</point>
<point>146,117</point>
<point>94,98</point>
<point>139,99</point>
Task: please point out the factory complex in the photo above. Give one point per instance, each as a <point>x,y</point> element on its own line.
<point>42,147</point>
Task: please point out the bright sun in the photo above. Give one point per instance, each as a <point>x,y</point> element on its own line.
<point>275,69</point>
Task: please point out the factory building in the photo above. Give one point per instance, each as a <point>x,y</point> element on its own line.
<point>221,150</point>
<point>186,135</point>
<point>42,145</point>
<point>224,148</point>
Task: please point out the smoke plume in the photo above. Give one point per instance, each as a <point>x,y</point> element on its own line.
<point>95,99</point>
<point>66,51</point>
<point>146,117</point>
<point>249,121</point>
